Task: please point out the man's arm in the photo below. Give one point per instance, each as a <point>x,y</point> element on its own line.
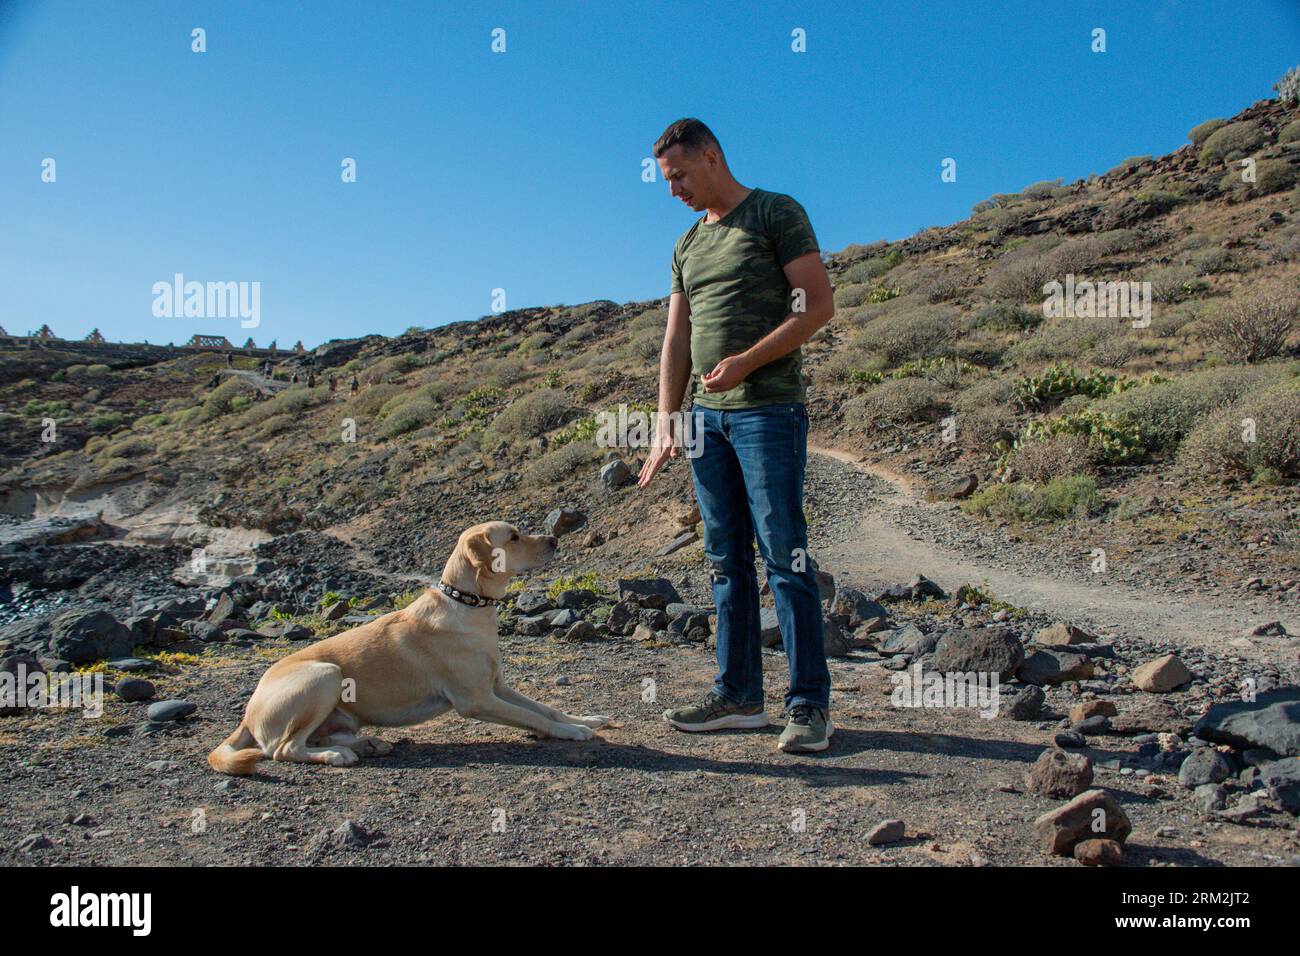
<point>807,273</point>
<point>675,359</point>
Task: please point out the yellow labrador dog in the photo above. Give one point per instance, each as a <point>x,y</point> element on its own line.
<point>404,668</point>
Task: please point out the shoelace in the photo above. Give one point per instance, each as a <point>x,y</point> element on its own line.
<point>802,714</point>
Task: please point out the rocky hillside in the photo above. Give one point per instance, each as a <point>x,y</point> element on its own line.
<point>1106,502</point>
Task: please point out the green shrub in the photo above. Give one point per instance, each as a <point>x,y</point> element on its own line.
<point>1022,280</point>
<point>1053,456</point>
<point>1289,133</point>
<point>1201,131</point>
<point>938,368</point>
<point>569,460</point>
<point>1006,317</point>
<point>1065,338</point>
<point>1234,141</point>
<point>292,401</point>
<point>900,402</point>
<point>1253,327</point>
<point>418,411</point>
<point>1072,496</point>
<point>107,421</point>
<point>51,409</point>
<point>534,414</point>
<point>220,401</point>
<point>1167,411</point>
<point>882,293</point>
<point>1221,445</point>
<point>371,401</point>
<point>923,332</point>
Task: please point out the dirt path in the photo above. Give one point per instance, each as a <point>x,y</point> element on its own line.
<point>882,552</point>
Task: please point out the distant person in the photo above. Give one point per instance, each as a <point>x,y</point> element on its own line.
<point>734,333</point>
<point>293,379</point>
<point>352,388</point>
<point>311,378</point>
<point>334,383</point>
<point>230,360</point>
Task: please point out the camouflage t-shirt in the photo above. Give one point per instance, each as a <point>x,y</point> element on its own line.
<point>731,273</point>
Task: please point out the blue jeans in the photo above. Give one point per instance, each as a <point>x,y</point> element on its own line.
<point>749,482</point>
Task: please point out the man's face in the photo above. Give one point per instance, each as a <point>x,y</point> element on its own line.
<point>689,177</point>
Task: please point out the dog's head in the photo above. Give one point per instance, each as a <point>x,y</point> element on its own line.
<point>496,550</point>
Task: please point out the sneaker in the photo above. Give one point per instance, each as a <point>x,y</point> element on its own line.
<point>715,713</point>
<point>809,729</point>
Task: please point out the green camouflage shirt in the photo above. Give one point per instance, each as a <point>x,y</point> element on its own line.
<point>731,273</point>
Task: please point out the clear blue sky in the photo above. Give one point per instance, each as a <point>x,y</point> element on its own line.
<point>522,170</point>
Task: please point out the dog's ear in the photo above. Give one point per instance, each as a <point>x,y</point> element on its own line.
<point>479,549</point>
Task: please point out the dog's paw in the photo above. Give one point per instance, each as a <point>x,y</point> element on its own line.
<point>373,747</point>
<point>342,757</point>
<point>594,721</point>
<point>573,732</point>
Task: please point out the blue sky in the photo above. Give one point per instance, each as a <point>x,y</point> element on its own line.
<point>522,170</point>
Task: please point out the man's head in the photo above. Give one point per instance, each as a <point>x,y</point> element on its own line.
<point>691,161</point>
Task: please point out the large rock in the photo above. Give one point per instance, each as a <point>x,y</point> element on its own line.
<point>1059,774</point>
<point>1054,667</point>
<point>563,520</point>
<point>769,627</point>
<point>908,639</point>
<point>1099,852</point>
<point>80,637</point>
<point>1205,765</point>
<point>855,607</point>
<point>1161,675</point>
<point>19,665</point>
<point>1272,720</point>
<point>1062,634</point>
<point>643,586</point>
<point>1282,778</point>
<point>986,650</point>
<point>833,640</point>
<point>1150,715</point>
<point>1092,815</point>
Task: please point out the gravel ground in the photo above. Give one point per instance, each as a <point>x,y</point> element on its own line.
<point>458,791</point>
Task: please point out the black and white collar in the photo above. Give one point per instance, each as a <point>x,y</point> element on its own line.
<point>464,597</point>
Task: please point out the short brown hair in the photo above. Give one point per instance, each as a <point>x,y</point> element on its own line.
<point>690,133</point>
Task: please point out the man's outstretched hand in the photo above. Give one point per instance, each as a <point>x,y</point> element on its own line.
<point>664,447</point>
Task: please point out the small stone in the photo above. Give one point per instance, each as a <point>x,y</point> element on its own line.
<point>1059,774</point>
<point>1161,675</point>
<point>889,831</point>
<point>134,688</point>
<point>1099,852</point>
<point>168,710</point>
<point>1070,738</point>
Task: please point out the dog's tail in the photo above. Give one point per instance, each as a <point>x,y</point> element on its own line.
<point>237,755</point>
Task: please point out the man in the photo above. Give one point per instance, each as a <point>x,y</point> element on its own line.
<point>748,289</point>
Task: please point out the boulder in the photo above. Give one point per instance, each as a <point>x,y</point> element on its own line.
<point>1062,634</point>
<point>1282,779</point>
<point>1093,814</point>
<point>982,650</point>
<point>1054,667</point>
<point>855,607</point>
<point>563,520</point>
<point>1205,765</point>
<point>1059,774</point>
<point>80,637</point>
<point>1161,675</point>
<point>1272,720</point>
<point>641,587</point>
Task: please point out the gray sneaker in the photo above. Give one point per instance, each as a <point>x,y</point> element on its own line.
<point>809,729</point>
<point>715,713</point>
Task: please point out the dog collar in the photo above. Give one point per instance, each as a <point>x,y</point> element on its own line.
<point>464,597</point>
